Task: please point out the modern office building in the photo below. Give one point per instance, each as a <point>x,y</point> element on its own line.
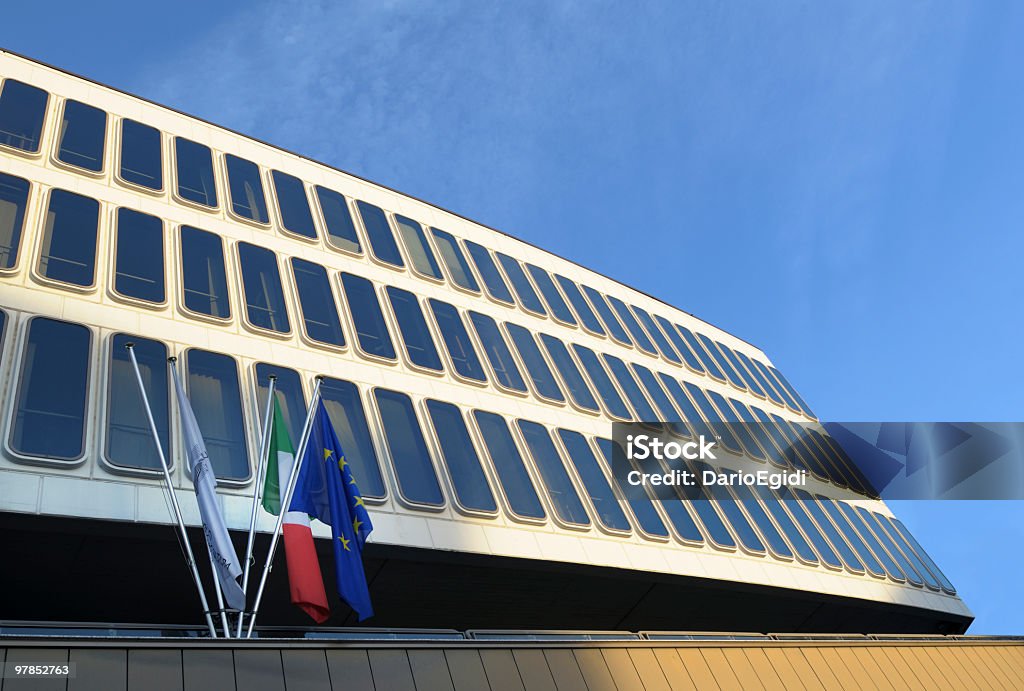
<point>473,379</point>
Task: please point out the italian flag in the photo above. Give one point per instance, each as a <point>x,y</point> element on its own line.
<point>304,578</point>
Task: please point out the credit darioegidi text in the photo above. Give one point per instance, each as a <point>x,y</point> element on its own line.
<point>708,478</point>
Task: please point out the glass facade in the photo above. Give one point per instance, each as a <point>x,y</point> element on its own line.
<point>141,157</point>
<point>139,256</point>
<point>69,239</point>
<point>261,283</point>
<point>371,329</point>
<point>204,283</point>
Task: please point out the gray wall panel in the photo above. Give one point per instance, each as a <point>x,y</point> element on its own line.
<point>391,670</point>
<point>533,670</point>
<point>429,670</point>
<point>595,671</point>
<point>208,670</point>
<point>467,669</point>
<point>349,669</point>
<point>154,670</point>
<point>39,656</point>
<point>305,670</point>
<point>259,670</point>
<point>564,670</point>
<point>99,669</point>
<point>502,672</point>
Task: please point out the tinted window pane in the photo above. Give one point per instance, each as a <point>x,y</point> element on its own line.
<point>757,430</point>
<point>508,466</point>
<point>792,392</point>
<point>456,340</point>
<point>688,357</point>
<point>793,434</point>
<point>345,408</point>
<point>613,402</point>
<point>129,441</point>
<point>420,254</point>
<point>524,291</point>
<point>686,407</point>
<point>730,373</point>
<point>341,230</point>
<point>639,337</point>
<point>759,516</point>
<point>605,503</point>
<point>13,198</point>
<point>488,270</point>
<point>639,501</point>
<point>288,390</point>
<point>745,376</point>
<point>913,546</point>
<point>723,431</point>
<point>643,409</point>
<point>785,522</point>
<point>454,260</point>
<point>864,541</point>
<point>664,347</point>
<point>559,310</point>
<point>746,439</point>
<point>202,267</point>
<point>768,389</point>
<point>778,387</point>
<point>195,172</point>
<point>729,507</point>
<point>382,242</point>
<point>666,411</point>
<point>713,524</point>
<point>574,381</point>
<point>216,398</point>
<point>579,303</point>
<point>371,329</point>
<point>419,344</point>
<point>414,471</point>
<point>546,458</point>
<point>261,281</point>
<point>892,559</point>
<point>710,366</point>
<point>141,158</point>
<point>543,380</point>
<point>459,455</point>
<point>851,535</point>
<point>246,189</point>
<point>69,239</point>
<point>83,133</point>
<point>139,259</point>
<point>49,415</point>
<point>319,311</point>
<point>612,322</point>
<point>293,205</point>
<point>805,502</point>
<point>497,352</point>
<point>22,109</point>
<point>810,528</point>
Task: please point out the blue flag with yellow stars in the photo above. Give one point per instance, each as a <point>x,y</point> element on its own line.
<point>327,491</point>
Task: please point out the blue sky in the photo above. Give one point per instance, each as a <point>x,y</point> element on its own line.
<point>842,185</point>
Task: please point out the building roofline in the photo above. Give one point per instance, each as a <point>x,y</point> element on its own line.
<point>362,179</point>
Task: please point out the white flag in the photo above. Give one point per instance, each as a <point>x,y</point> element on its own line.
<point>221,550</point>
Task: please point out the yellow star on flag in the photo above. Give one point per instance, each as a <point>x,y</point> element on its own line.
<point>356,523</point>
<point>342,463</point>
<point>359,502</point>
<point>344,543</point>
<point>327,454</point>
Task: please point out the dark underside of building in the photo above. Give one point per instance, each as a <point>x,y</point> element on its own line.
<point>78,570</point>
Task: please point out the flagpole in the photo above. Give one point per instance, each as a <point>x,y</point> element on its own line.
<point>261,469</point>
<point>213,567</point>
<point>189,557</point>
<point>286,502</point>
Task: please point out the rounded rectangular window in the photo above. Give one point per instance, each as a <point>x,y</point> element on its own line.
<point>746,439</point>
<point>216,398</point>
<point>417,479</point>
<point>862,540</point>
<point>544,381</point>
<point>790,403</point>
<point>419,344</point>
<point>194,163</point>
<point>319,311</point>
<point>723,364</point>
<point>636,331</point>
<point>784,383</point>
<point>506,372</point>
<point>612,323</point>
<point>509,466</point>
<point>261,283</point>
<point>564,498</point>
<point>643,409</point>
<point>341,230</point>
<point>22,110</point>
<point>664,347</point>
<point>345,408</point>
<point>129,442</point>
<point>371,329</point>
<point>666,410</point>
<point>139,256</point>
<point>745,376</point>
<point>636,496</point>
<point>706,360</point>
<point>488,270</point>
<point>83,132</point>
<point>382,241</point>
<point>684,350</point>
<point>800,544</point>
<point>587,317</point>
<point>685,406</point>
<point>288,391</point>
<point>559,309</point>
<point>768,389</point>
<point>606,505</point>
<point>613,402</point>
<point>730,508</point>
<point>574,381</point>
<point>13,200</point>
<point>50,407</point>
<point>722,431</point>
<point>416,244</point>
<point>521,284</point>
<point>293,205</point>
<point>69,239</point>
<point>456,341</point>
<point>455,261</point>
<point>810,529</point>
<point>772,537</point>
<point>245,188</point>
<point>141,155</point>
<point>467,475</point>
<point>202,266</point>
<point>803,501</point>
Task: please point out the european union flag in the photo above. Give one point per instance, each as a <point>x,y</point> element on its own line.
<point>326,490</point>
